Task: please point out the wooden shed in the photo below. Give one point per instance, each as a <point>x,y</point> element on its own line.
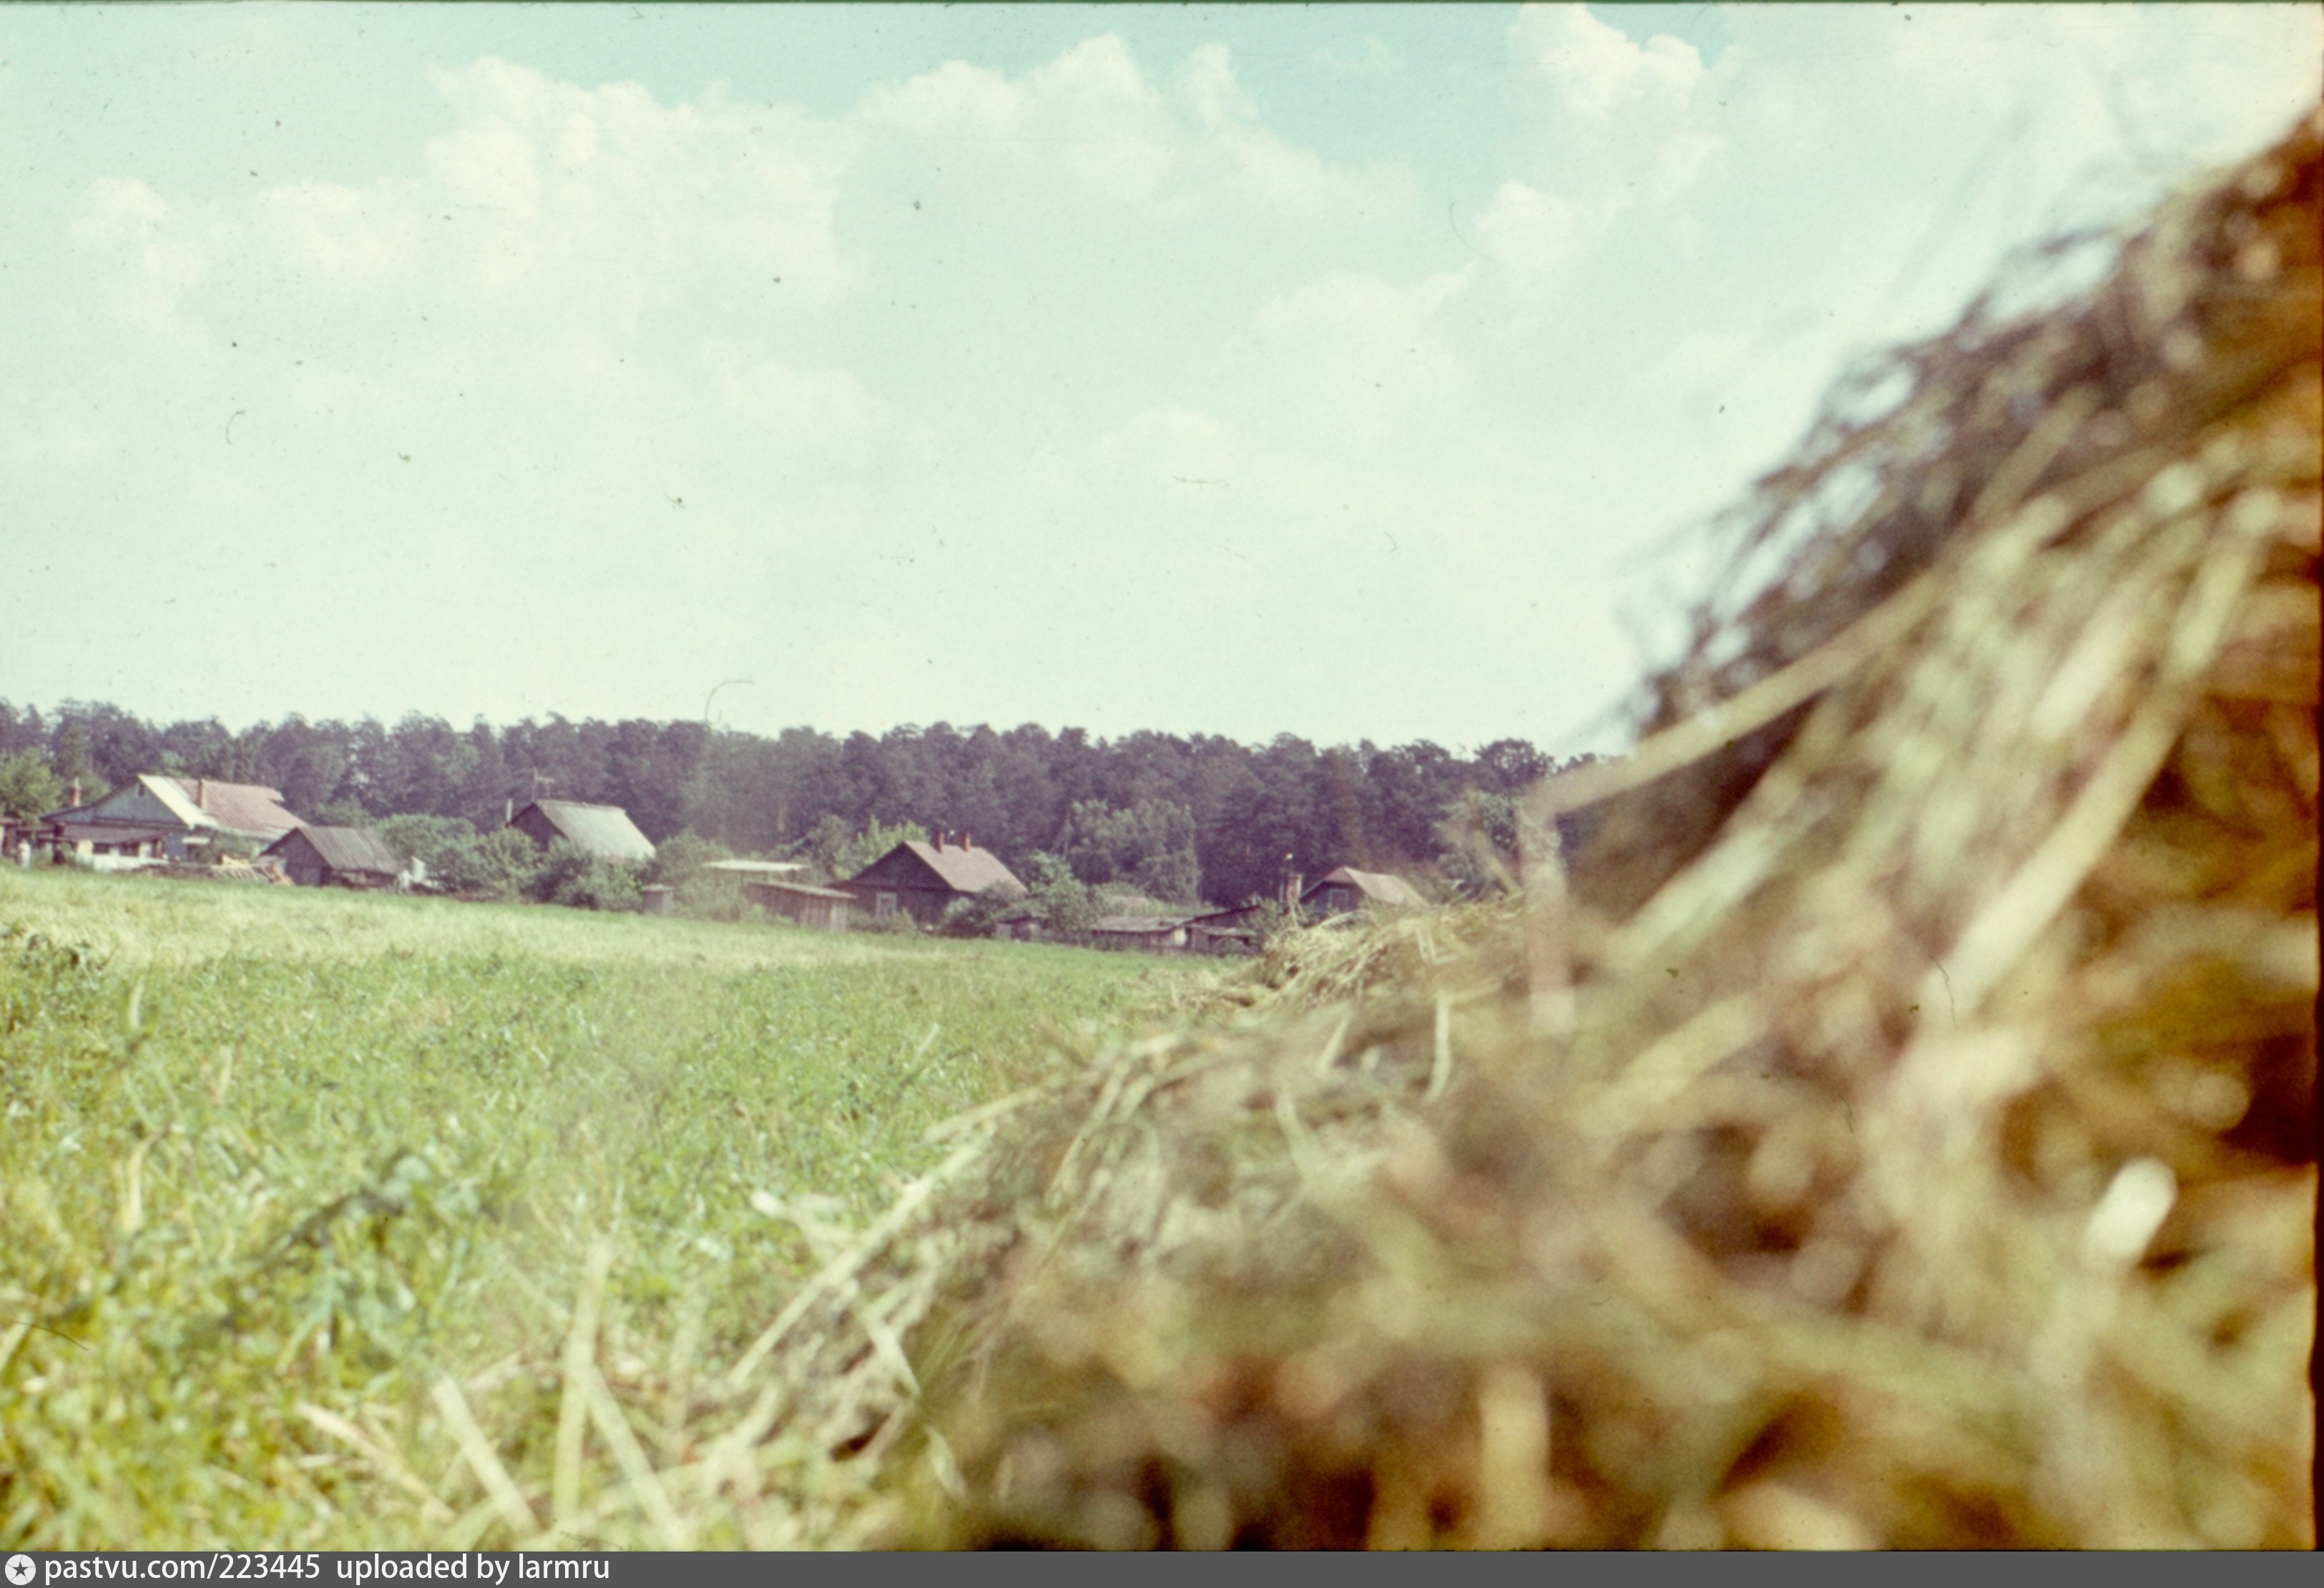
<point>1146,934</point>
<point>1346,890</point>
<point>334,857</point>
<point>825,909</point>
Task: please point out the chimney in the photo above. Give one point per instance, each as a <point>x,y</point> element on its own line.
<point>72,794</point>
<point>939,840</point>
<point>201,786</point>
<point>966,842</point>
<point>509,815</point>
<point>1292,889</point>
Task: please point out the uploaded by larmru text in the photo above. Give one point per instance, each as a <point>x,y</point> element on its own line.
<point>27,1571</point>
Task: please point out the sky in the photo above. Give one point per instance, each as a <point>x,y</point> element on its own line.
<point>1352,372</point>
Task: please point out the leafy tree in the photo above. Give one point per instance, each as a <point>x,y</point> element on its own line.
<point>27,787</point>
<point>426,838</point>
<point>975,917</point>
<point>1150,844</point>
<point>679,859</point>
<point>494,866</point>
<point>1062,901</point>
<point>831,850</point>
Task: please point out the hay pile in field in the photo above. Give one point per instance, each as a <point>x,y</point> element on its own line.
<point>1898,1129</point>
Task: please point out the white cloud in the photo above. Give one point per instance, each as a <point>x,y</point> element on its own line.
<point>1595,68</point>
<point>1094,117</point>
<point>341,234</point>
<point>1528,233</point>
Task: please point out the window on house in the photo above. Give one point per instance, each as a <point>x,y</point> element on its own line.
<point>883,905</point>
<point>1339,899</point>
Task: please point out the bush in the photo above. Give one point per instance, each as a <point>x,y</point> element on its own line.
<point>571,875</point>
<point>494,866</point>
<point>711,896</point>
<point>680,860</point>
<point>976,917</point>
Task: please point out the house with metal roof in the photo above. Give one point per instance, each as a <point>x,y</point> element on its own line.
<point>922,881</point>
<point>606,831</point>
<point>334,857</point>
<point>187,815</point>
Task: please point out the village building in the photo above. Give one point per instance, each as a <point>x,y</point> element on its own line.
<point>153,816</point>
<point>1146,934</point>
<point>334,857</point>
<point>823,908</point>
<point>922,881</point>
<point>606,831</point>
<point>1224,931</point>
<point>1347,890</point>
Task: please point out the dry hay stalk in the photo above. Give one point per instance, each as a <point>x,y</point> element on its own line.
<point>1900,1133</point>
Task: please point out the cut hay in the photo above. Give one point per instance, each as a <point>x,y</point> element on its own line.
<point>1897,1129</point>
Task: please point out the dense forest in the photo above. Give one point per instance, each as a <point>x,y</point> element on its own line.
<point>1179,818</point>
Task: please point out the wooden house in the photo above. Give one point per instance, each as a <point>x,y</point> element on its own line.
<point>334,857</point>
<point>606,831</point>
<point>922,881</point>
<point>175,818</point>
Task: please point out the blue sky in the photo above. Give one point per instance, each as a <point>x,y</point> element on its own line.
<point>1346,371</point>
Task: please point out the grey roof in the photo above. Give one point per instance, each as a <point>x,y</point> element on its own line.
<point>963,870</point>
<point>240,808</point>
<point>347,849</point>
<point>604,830</point>
<point>1377,886</point>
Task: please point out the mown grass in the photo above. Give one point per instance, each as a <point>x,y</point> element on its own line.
<point>274,1162</point>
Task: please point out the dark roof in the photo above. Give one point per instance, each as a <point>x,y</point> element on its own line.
<point>604,830</point>
<point>963,870</point>
<point>1377,886</point>
<point>245,807</point>
<point>347,849</point>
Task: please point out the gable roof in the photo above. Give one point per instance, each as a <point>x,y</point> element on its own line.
<point>962,870</point>
<point>189,805</point>
<point>1379,887</point>
<point>345,849</point>
<point>604,830</point>
<point>240,808</point>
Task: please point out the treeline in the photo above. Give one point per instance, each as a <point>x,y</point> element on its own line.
<point>1181,817</point>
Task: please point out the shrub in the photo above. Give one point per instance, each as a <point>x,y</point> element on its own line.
<point>571,875</point>
<point>680,860</point>
<point>494,866</point>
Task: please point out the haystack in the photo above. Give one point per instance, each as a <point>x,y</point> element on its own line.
<point>1897,1128</point>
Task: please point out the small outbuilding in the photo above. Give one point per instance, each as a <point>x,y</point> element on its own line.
<point>1347,890</point>
<point>606,831</point>
<point>334,857</point>
<point>825,909</point>
<point>923,879</point>
<point>1146,934</point>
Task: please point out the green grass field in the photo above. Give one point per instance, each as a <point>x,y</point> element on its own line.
<point>274,1162</point>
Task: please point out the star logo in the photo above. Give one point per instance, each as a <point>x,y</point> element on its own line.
<point>20,1569</point>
